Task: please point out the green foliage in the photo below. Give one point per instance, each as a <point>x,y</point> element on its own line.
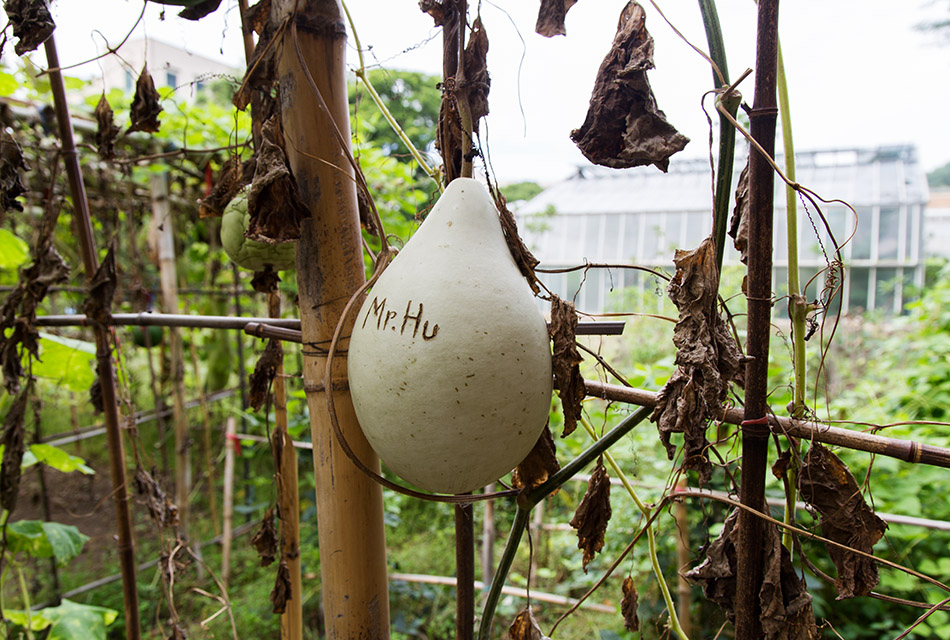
<point>413,99</point>
<point>939,177</point>
<point>45,540</point>
<point>68,621</point>
<point>521,191</point>
<point>66,362</point>
<point>13,251</point>
<point>55,458</point>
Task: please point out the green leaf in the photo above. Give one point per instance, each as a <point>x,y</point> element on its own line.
<point>74,621</point>
<point>45,539</point>
<point>58,459</point>
<point>35,619</point>
<point>67,362</point>
<point>8,84</point>
<point>13,251</point>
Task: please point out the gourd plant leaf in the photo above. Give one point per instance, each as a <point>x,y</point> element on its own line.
<point>628,605</point>
<point>551,17</point>
<point>74,621</point>
<point>67,362</point>
<point>13,251</point>
<point>593,514</point>
<point>45,539</point>
<point>56,458</point>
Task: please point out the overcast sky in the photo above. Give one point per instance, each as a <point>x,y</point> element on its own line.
<point>859,73</point>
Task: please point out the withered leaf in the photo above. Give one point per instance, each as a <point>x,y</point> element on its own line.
<point>256,17</point>
<point>477,81</point>
<point>566,362</point>
<point>540,463</point>
<point>827,484</point>
<point>98,306</point>
<point>707,358</point>
<point>624,127</point>
<point>231,179</point>
<point>525,627</point>
<point>14,446</point>
<point>163,511</point>
<point>593,514</point>
<point>786,611</point>
<point>95,396</point>
<point>448,139</point>
<point>264,372</point>
<point>106,130</point>
<point>282,590</point>
<point>262,67</point>
<point>265,281</point>
<point>145,105</point>
<point>628,605</point>
<point>273,202</point>
<point>519,251</point>
<point>265,539</point>
<point>32,23</point>
<point>199,10</point>
<point>439,10</point>
<point>739,224</point>
<point>11,163</point>
<point>551,17</point>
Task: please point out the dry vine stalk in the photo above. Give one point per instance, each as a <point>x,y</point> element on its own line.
<point>624,127</point>
<point>707,359</point>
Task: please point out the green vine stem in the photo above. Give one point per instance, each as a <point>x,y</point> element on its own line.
<point>647,512</point>
<point>529,499</point>
<point>25,594</point>
<point>383,109</point>
<point>797,306</point>
<point>730,99</point>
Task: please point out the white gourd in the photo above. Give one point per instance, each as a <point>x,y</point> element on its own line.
<point>449,360</point>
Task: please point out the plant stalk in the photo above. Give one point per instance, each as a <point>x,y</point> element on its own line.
<point>755,429</point>
<point>83,228</point>
<point>25,594</point>
<point>464,571</point>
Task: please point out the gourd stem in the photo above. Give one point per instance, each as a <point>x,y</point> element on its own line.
<point>25,594</point>
<point>522,513</point>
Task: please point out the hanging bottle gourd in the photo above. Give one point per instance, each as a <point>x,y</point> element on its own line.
<point>449,360</point>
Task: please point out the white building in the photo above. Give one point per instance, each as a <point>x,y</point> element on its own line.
<point>641,215</point>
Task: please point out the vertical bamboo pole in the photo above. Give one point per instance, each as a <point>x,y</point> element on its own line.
<point>206,437</point>
<point>488,538</point>
<point>291,621</point>
<point>230,430</point>
<point>329,270</point>
<point>464,572</point>
<point>683,559</point>
<point>755,430</point>
<point>169,278</point>
<point>125,542</point>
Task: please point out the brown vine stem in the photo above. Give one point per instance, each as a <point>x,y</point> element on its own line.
<point>83,227</point>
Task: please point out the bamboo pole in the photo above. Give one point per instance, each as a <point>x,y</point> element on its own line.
<point>683,558</point>
<point>228,499</point>
<point>313,94</point>
<point>488,537</point>
<point>125,542</point>
<point>168,272</point>
<point>755,426</point>
<point>159,405</point>
<point>206,441</point>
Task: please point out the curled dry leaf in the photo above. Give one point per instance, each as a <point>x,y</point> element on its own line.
<point>273,202</point>
<point>106,130</point>
<point>566,362</point>
<point>145,105</point>
<point>14,446</point>
<point>624,126</point>
<point>739,224</point>
<point>199,10</point>
<point>11,163</point>
<point>32,23</point>
<point>539,464</point>
<point>232,178</point>
<point>163,511</point>
<point>98,306</point>
<point>265,539</point>
<point>439,10</point>
<point>282,589</point>
<point>707,359</point>
<point>525,627</point>
<point>519,251</point>
<point>826,483</point>
<point>551,17</point>
<point>265,281</point>
<point>477,81</point>
<point>786,611</point>
<point>95,397</point>
<point>262,67</point>
<point>628,605</point>
<point>593,514</point>
<point>264,372</point>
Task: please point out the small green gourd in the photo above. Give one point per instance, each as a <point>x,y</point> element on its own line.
<point>251,254</point>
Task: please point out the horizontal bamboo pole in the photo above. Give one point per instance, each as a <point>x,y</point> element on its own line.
<point>906,450</point>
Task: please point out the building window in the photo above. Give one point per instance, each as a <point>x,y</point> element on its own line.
<point>171,79</point>
<point>129,82</point>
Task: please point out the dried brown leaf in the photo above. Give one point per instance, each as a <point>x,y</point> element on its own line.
<point>14,445</point>
<point>525,627</point>
<point>539,464</point>
<point>200,10</point>
<point>257,16</point>
<point>265,539</point>
<point>519,251</point>
<point>786,611</point>
<point>95,397</point>
<point>265,281</point>
<point>282,589</point>
<point>145,105</point>
<point>566,361</point>
<point>106,129</point>
<point>551,17</point>
<point>624,127</point>
<point>11,163</point>
<point>828,486</point>
<point>593,514</point>
<point>98,306</point>
<point>439,10</point>
<point>739,224</point>
<point>32,23</point>
<point>163,511</point>
<point>477,80</point>
<point>628,605</point>
<point>264,372</point>
<point>273,202</point>
<point>232,177</point>
<point>707,358</point>
<point>262,67</point>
